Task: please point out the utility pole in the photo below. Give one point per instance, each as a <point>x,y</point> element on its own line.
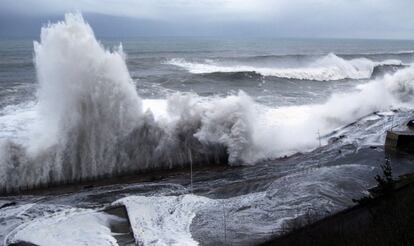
<point>319,137</point>
<point>191,170</point>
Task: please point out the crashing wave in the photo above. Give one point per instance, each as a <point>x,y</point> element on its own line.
<point>90,122</point>
<point>327,68</point>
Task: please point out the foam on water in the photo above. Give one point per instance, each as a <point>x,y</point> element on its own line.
<point>15,121</point>
<point>170,220</point>
<point>70,227</point>
<point>163,220</point>
<point>327,68</point>
<point>188,219</point>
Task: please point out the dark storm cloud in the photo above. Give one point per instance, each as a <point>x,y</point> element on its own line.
<point>288,18</point>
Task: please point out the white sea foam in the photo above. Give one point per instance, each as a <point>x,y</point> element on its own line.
<point>183,219</point>
<point>70,227</point>
<point>170,220</point>
<point>327,68</point>
<point>163,220</point>
<point>167,220</point>
<point>15,121</point>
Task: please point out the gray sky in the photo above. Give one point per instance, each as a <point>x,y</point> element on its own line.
<point>275,18</point>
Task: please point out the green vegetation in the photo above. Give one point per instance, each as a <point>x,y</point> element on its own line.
<point>385,184</point>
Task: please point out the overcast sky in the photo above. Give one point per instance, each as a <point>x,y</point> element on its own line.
<point>245,18</point>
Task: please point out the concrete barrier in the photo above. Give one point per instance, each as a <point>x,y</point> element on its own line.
<point>400,141</point>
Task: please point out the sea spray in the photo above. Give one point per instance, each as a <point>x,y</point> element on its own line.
<point>90,122</point>
<point>87,101</point>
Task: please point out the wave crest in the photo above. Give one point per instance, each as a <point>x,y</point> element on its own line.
<point>327,68</point>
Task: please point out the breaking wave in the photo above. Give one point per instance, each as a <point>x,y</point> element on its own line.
<point>327,68</point>
<point>399,52</point>
<point>89,121</point>
<point>299,56</point>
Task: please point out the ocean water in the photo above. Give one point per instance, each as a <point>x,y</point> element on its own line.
<point>219,66</point>
<point>299,122</point>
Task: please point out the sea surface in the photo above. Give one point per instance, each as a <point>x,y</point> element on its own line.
<point>296,127</point>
